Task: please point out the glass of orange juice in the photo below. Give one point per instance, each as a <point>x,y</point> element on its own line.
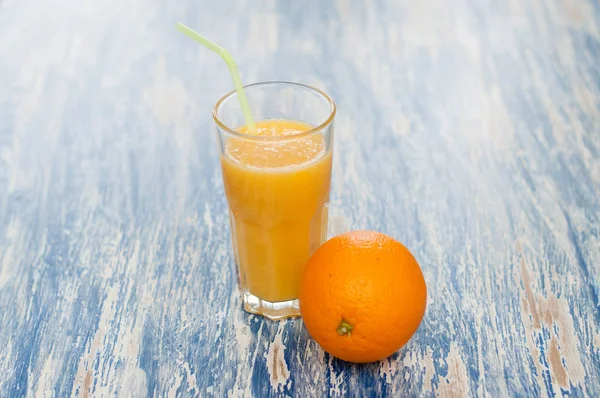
<point>276,180</point>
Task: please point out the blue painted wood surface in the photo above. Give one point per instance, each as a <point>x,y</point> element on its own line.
<point>469,130</point>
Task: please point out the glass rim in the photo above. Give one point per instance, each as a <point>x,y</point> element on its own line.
<point>315,129</point>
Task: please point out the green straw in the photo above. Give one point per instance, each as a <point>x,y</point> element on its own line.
<point>235,75</point>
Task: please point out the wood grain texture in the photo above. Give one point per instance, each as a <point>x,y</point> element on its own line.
<point>469,130</point>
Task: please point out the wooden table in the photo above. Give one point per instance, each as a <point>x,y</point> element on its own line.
<point>469,130</point>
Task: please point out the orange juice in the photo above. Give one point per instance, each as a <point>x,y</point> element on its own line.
<point>277,193</point>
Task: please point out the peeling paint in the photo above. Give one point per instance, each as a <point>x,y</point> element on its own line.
<point>276,364</point>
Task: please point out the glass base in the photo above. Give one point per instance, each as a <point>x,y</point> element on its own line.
<point>274,311</point>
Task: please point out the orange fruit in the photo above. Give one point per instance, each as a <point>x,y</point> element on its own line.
<point>362,296</point>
